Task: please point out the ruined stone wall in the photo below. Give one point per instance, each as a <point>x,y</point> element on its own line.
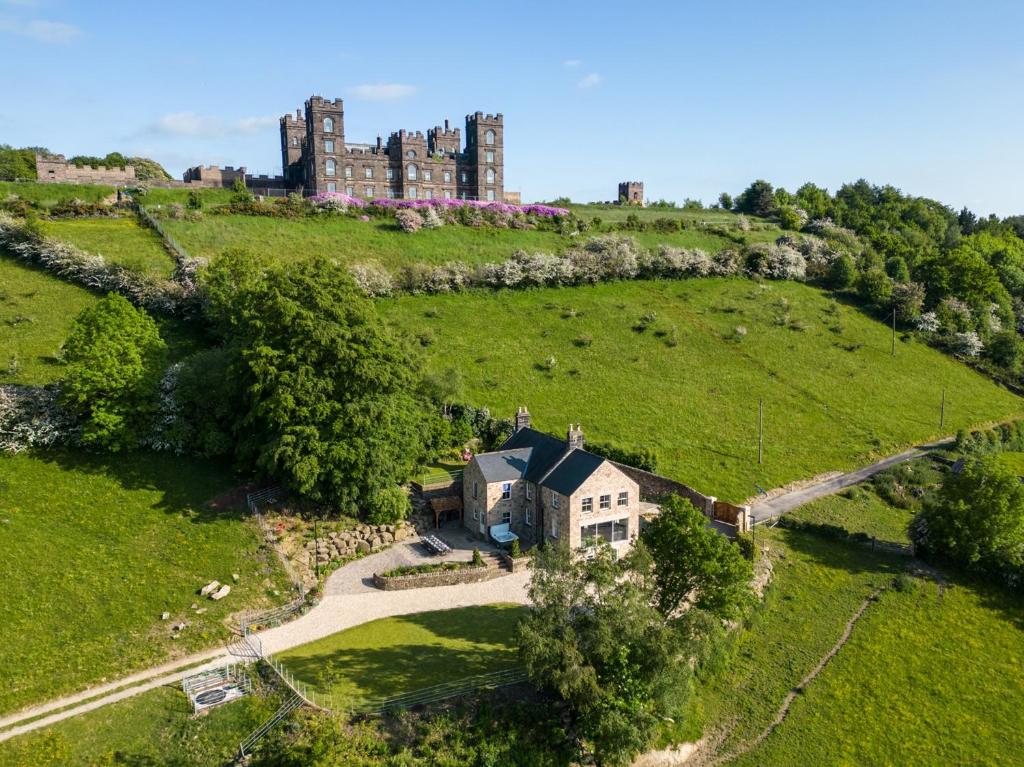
<point>57,170</point>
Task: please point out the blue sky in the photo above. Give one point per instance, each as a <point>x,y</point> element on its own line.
<point>692,98</point>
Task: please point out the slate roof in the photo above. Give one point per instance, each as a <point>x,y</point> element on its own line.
<point>539,458</point>
<point>572,471</point>
<point>504,465</point>
<point>545,451</point>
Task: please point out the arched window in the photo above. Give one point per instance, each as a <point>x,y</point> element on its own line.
<point>331,167</point>
<point>489,137</point>
<point>411,172</point>
<point>295,140</point>
<point>411,154</point>
<point>490,175</point>
<point>328,125</point>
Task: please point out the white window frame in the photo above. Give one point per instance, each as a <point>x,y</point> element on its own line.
<point>490,155</point>
<point>447,194</point>
<point>369,191</point>
<point>529,491</point>
<point>332,187</point>
<point>411,154</point>
<point>554,526</point>
<point>506,516</point>
<point>528,516</point>
<point>623,498</point>
<point>428,194</point>
<point>447,176</point>
<point>329,145</point>
<point>490,195</point>
<point>490,137</point>
<point>328,125</point>
<point>350,191</point>
<point>411,193</point>
<point>491,176</point>
<point>605,502</point>
<point>506,490</point>
<point>412,171</point>
<point>391,174</point>
<point>331,167</point>
<point>587,505</point>
<point>428,175</point>
<point>554,500</point>
<point>348,171</point>
<point>368,172</point>
<point>465,177</point>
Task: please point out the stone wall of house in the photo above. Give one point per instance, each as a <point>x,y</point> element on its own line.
<point>608,480</point>
<point>56,170</point>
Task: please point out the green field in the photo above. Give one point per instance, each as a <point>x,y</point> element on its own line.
<point>119,240</point>
<point>48,195</point>
<point>859,511</point>
<point>96,547</point>
<point>36,311</point>
<point>688,385</point>
<point>156,196</point>
<point>393,656</point>
<point>1013,461</point>
<point>151,729</point>
<point>617,213</point>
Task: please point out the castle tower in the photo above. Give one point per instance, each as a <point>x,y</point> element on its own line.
<point>484,164</point>
<point>325,145</point>
<point>293,142</point>
<point>631,193</point>
<point>408,159</point>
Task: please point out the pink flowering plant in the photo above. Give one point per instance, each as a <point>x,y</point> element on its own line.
<point>339,200</point>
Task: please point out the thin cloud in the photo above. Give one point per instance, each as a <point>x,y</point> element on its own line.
<point>571,63</point>
<point>382,91</point>
<point>42,31</point>
<point>590,81</point>
<point>191,124</point>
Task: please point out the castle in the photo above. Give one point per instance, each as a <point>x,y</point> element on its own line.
<point>317,159</point>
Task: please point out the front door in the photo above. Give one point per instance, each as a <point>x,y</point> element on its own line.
<point>483,523</point>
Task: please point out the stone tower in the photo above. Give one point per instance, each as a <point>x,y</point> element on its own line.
<point>325,138</point>
<point>293,141</point>
<point>631,193</point>
<point>485,158</point>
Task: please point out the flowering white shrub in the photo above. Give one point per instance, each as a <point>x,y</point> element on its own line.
<point>372,278</point>
<point>31,416</point>
<point>677,262</point>
<point>166,433</point>
<point>409,220</point>
<point>927,322</point>
<point>431,219</point>
<point>967,344</point>
<point>776,262</point>
<point>995,323</point>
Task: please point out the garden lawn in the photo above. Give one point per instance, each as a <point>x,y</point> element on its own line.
<point>36,311</point>
<point>120,241</point>
<point>858,510</point>
<point>928,677</point>
<point>96,547</point>
<point>686,381</point>
<point>48,195</point>
<point>395,656</point>
<point>143,730</point>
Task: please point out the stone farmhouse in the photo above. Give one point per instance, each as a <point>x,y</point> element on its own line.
<point>317,158</point>
<point>540,488</point>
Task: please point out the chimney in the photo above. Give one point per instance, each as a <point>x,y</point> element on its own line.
<point>379,141</point>
<point>522,418</point>
<point>575,437</point>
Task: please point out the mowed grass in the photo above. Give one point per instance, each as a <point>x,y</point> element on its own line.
<point>96,547</point>
<point>36,311</point>
<point>48,195</point>
<point>687,380</point>
<point>119,240</point>
<point>394,656</point>
<point>381,241</point>
<point>143,730</point>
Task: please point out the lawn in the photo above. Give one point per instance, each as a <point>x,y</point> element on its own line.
<point>621,212</point>
<point>143,730</point>
<point>686,380</point>
<point>119,240</point>
<point>393,656</point>
<point>1014,461</point>
<point>859,510</point>
<point>36,311</point>
<point>96,547</point>
<point>48,195</point>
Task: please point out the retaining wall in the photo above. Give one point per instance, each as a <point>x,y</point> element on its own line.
<point>436,578</point>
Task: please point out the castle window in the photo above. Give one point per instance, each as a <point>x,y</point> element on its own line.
<point>411,154</point>
<point>391,174</point>
<point>332,187</point>
<point>447,177</point>
<point>411,193</point>
<point>465,177</point>
<point>554,527</point>
<point>411,172</point>
<point>490,175</point>
<point>331,167</point>
<point>391,192</point>
<point>369,191</point>
<point>490,195</point>
<point>368,172</point>
<point>350,190</point>
<point>447,194</point>
<point>490,155</point>
<point>328,125</point>
<point>489,137</point>
<point>348,171</point>
<point>427,175</point>
<point>295,140</point>
<point>329,146</point>
<point>554,500</point>
<point>428,194</point>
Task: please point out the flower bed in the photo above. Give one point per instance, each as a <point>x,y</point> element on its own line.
<point>440,574</point>
<point>339,199</point>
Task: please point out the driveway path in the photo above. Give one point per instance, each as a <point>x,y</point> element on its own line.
<point>782,504</point>
<point>349,600</point>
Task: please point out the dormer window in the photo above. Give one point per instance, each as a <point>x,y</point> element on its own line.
<point>328,125</point>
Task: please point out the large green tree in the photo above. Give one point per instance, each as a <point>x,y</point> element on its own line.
<point>594,638</point>
<point>115,358</point>
<point>694,565</point>
<point>331,402</point>
<point>758,199</point>
<point>976,520</point>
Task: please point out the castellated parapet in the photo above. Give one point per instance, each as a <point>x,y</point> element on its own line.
<point>54,169</point>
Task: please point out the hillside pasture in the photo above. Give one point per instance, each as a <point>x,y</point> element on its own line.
<point>48,195</point>
<point>120,241</point>
<point>96,547</point>
<point>680,367</point>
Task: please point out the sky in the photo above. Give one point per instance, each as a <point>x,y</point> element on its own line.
<point>691,98</point>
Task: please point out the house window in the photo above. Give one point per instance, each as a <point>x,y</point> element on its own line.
<point>428,194</point>
<point>529,491</point>
<point>329,146</point>
<point>587,505</point>
<point>332,187</point>
<point>447,177</point>
<point>447,194</point>
<point>475,489</point>
<point>620,530</point>
<point>328,125</point>
<point>554,500</point>
<point>369,191</point>
<point>391,192</point>
<point>624,498</point>
<point>606,501</point>
<point>554,527</point>
<point>490,155</point>
<point>411,172</point>
<point>391,174</point>
<point>348,171</point>
<point>411,193</point>
<point>332,167</point>
<point>350,190</point>
<point>506,517</point>
<point>506,490</point>
<point>411,154</point>
<point>612,532</point>
<point>368,172</point>
<point>490,195</point>
<point>528,517</point>
<point>489,138</point>
<point>427,175</point>
<point>490,175</point>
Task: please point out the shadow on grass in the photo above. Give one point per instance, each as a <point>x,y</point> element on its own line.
<point>845,555</point>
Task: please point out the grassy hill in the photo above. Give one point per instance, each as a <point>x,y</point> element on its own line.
<point>680,366</point>
<point>96,547</point>
<point>119,240</point>
<point>48,195</point>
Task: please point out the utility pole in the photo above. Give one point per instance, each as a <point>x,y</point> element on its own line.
<point>942,409</point>
<point>760,430</point>
<point>894,331</point>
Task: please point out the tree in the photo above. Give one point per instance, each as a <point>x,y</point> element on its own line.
<point>976,520</point>
<point>694,564</point>
<point>841,273</point>
<point>331,403</point>
<point>1006,350</point>
<point>758,199</point>
<point>967,221</point>
<point>815,200</point>
<point>897,269</point>
<point>725,201</point>
<point>907,299</point>
<point>115,358</point>
<point>593,638</point>
<point>875,288</point>
<point>17,164</point>
<point>791,218</point>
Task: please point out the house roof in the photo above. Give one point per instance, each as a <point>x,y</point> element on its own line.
<point>504,465</point>
<point>572,471</point>
<point>545,451</point>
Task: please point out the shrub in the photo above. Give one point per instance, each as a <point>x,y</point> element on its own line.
<point>32,417</point>
<point>842,273</point>
<point>896,268</point>
<point>478,560</point>
<point>967,344</point>
<point>409,220</point>
<point>515,550</point>
<point>388,506</point>
<point>875,288</point>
